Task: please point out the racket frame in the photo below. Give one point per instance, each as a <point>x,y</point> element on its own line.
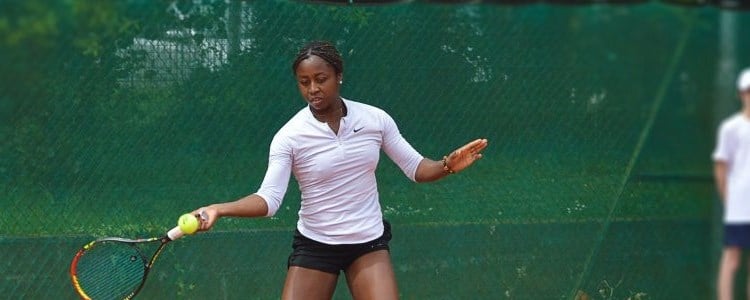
<point>173,234</point>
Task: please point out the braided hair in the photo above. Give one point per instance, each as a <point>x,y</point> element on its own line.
<point>322,49</point>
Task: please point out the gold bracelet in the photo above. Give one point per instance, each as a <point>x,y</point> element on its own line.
<point>446,168</point>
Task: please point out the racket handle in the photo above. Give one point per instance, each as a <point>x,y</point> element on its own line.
<point>175,233</point>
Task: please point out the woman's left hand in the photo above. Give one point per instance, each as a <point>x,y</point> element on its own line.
<point>463,157</point>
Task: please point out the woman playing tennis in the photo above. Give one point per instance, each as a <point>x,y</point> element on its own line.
<point>332,146</point>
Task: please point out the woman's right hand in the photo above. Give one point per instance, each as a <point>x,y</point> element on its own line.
<point>207,216</point>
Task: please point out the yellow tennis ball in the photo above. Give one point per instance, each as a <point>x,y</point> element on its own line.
<point>188,223</point>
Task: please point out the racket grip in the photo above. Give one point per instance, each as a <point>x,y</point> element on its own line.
<point>175,233</point>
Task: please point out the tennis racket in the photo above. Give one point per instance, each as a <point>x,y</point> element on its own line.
<point>116,268</point>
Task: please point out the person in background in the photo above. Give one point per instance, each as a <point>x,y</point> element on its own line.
<point>732,175</point>
<point>332,147</point>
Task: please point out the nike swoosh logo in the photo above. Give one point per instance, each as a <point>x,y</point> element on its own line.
<point>358,129</point>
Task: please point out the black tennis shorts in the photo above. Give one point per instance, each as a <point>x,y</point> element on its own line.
<point>737,235</point>
<point>333,259</point>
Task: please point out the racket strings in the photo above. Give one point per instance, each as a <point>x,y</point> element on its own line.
<point>110,270</point>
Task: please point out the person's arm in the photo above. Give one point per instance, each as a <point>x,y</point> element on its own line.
<point>430,170</point>
<point>720,176</point>
<point>248,206</point>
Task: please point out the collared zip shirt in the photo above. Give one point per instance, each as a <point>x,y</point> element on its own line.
<point>336,172</point>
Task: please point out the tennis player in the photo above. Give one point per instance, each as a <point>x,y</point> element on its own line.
<point>332,146</point>
<point>732,174</point>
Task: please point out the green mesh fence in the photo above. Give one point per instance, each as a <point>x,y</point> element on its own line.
<point>118,116</point>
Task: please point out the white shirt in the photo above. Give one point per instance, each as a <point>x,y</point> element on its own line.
<point>733,148</point>
<point>336,173</point>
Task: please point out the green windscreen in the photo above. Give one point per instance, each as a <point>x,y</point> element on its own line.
<point>116,117</point>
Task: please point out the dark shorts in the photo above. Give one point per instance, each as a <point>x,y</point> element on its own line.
<point>737,235</point>
<point>315,255</point>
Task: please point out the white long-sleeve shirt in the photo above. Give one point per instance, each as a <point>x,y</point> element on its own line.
<point>336,173</point>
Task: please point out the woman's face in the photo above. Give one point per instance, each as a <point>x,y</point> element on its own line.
<point>318,83</point>
<point>745,97</point>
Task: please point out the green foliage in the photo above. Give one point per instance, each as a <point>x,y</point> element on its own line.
<point>34,23</point>
<point>102,27</point>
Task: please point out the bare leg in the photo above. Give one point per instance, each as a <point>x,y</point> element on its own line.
<point>371,276</point>
<point>730,261</point>
<point>302,283</point>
